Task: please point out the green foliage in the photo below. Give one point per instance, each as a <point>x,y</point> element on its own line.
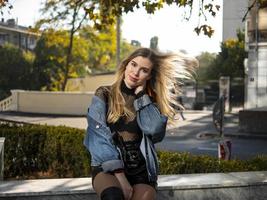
<point>16,69</point>
<point>50,59</point>
<point>44,151</point>
<point>126,49</point>
<point>103,12</point>
<point>92,51</point>
<point>63,13</point>
<point>69,14</point>
<point>38,151</point>
<point>230,61</point>
<point>205,60</point>
<point>101,47</point>
<point>186,163</point>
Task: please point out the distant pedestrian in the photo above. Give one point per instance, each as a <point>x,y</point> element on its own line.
<point>126,119</point>
<point>181,110</point>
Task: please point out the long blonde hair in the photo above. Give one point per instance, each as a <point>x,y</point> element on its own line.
<point>169,70</point>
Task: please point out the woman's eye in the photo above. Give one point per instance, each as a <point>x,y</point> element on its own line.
<point>145,70</point>
<point>133,64</point>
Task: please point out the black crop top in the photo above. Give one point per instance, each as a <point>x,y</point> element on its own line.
<point>127,128</point>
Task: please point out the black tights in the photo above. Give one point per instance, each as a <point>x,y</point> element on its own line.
<point>112,193</point>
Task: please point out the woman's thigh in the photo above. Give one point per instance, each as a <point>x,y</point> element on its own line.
<point>143,192</point>
<point>103,181</point>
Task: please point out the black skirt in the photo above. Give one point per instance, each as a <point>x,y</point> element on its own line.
<point>134,164</point>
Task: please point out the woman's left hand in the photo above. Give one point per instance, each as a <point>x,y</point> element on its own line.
<point>140,88</point>
<point>127,189</point>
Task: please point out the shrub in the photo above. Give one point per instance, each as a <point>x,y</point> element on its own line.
<point>37,150</point>
<point>186,163</point>
<point>41,151</point>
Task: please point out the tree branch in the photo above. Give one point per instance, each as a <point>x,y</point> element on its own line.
<point>249,8</point>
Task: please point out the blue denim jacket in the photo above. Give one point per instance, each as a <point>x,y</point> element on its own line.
<point>99,142</point>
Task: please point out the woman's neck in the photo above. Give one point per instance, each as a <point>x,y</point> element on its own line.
<point>126,89</point>
<point>127,84</point>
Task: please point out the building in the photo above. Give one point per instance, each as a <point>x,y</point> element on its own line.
<point>11,32</point>
<point>248,15</point>
<point>233,13</point>
<point>256,63</point>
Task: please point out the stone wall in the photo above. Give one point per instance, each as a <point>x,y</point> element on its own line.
<point>219,186</point>
<point>65,103</point>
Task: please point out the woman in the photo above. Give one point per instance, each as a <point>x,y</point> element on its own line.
<point>126,119</point>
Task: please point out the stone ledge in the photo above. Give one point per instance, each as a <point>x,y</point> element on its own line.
<point>170,187</point>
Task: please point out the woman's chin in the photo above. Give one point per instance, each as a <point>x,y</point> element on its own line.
<point>130,84</point>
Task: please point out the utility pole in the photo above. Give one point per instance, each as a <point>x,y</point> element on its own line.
<point>118,39</point>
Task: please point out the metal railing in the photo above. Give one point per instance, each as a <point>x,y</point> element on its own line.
<point>5,104</point>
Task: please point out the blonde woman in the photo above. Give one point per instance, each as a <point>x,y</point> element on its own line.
<point>126,119</point>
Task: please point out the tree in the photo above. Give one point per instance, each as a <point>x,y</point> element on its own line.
<point>68,13</point>
<point>127,49</point>
<point>205,60</point>
<point>3,4</point>
<point>50,62</point>
<point>230,61</point>
<point>101,47</point>
<point>102,12</point>
<point>16,69</point>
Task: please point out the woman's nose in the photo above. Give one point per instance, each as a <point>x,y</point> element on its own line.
<point>136,71</point>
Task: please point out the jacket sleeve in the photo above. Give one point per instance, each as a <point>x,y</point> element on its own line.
<point>98,139</point>
<point>150,120</point>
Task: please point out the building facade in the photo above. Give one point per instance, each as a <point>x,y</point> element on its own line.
<point>254,22</point>
<point>20,36</point>
<point>233,13</point>
<point>256,63</point>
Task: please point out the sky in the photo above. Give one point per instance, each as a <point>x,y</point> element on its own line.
<point>174,32</point>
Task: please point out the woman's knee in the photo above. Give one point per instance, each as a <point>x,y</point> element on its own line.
<point>112,193</point>
<point>144,192</point>
<point>103,181</point>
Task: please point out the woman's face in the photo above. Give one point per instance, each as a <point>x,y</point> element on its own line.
<point>137,72</point>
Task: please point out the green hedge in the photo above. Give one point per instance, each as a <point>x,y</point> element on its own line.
<point>38,151</point>
<point>186,163</point>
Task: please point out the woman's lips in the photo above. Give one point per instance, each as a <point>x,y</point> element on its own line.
<point>133,79</point>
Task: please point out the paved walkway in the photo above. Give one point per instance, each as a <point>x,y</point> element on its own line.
<point>81,122</point>
<point>192,117</point>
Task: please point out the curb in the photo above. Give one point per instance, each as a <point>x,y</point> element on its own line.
<point>209,135</point>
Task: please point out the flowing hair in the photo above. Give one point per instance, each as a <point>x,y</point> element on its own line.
<point>168,73</point>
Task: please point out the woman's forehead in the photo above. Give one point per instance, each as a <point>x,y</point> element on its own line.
<point>142,61</point>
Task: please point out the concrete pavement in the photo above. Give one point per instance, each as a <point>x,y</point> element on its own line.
<point>193,118</point>
<point>80,121</point>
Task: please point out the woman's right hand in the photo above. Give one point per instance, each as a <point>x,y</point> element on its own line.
<point>125,185</point>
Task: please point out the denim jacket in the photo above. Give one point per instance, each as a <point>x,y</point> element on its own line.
<point>99,142</point>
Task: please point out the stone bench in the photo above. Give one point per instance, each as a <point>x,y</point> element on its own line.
<point>230,186</point>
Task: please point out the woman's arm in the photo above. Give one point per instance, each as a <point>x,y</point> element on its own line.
<point>98,139</point>
<point>125,185</point>
<point>149,118</point>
